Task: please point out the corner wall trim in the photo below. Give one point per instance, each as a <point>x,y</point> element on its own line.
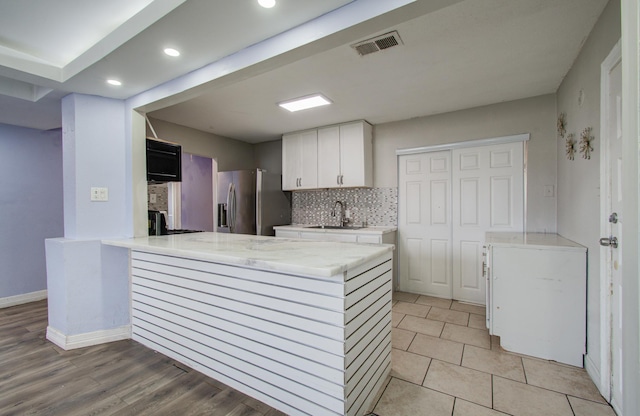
<point>70,342</point>
<point>23,298</point>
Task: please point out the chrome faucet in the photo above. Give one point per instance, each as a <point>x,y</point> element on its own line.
<point>343,206</point>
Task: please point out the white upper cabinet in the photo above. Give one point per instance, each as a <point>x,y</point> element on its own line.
<point>328,157</point>
<point>345,155</point>
<point>300,160</point>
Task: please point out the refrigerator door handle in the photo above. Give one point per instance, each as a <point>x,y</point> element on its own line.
<point>259,195</point>
<point>231,207</point>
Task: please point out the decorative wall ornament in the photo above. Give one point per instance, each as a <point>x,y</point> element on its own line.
<point>562,124</point>
<point>570,146</point>
<point>585,143</point>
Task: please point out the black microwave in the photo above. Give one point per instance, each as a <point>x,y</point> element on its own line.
<point>164,162</point>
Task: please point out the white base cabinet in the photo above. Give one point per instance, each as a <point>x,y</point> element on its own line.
<point>536,297</point>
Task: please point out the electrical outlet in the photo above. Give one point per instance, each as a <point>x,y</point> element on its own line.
<point>152,198</point>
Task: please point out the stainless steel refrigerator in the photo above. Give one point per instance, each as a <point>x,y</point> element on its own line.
<point>251,202</point>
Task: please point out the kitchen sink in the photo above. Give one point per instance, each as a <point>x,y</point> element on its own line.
<point>334,227</point>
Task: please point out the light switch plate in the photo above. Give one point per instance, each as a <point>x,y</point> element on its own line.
<point>99,194</point>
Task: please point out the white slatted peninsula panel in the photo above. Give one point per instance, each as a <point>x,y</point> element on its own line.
<point>306,346</point>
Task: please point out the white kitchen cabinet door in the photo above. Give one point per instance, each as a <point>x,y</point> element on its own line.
<point>299,160</point>
<point>424,223</point>
<point>488,195</point>
<point>329,157</point>
<point>356,154</point>
<point>287,234</point>
<point>345,155</point>
<point>349,238</point>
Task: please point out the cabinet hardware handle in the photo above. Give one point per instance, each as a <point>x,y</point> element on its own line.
<point>338,180</point>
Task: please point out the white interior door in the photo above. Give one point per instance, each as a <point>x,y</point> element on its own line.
<point>447,201</point>
<point>612,226</point>
<point>488,195</point>
<point>424,223</point>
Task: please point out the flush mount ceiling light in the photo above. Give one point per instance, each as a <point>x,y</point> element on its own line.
<point>303,103</point>
<point>172,52</point>
<point>267,4</point>
<point>114,82</point>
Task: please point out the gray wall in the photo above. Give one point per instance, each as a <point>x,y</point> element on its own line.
<point>31,205</point>
<point>532,115</point>
<point>268,155</point>
<point>579,180</point>
<point>229,153</point>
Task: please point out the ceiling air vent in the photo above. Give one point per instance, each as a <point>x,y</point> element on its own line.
<point>378,43</point>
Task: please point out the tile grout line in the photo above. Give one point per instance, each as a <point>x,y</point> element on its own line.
<point>570,407</point>
<point>492,393</point>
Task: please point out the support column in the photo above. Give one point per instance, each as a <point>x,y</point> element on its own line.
<point>88,284</point>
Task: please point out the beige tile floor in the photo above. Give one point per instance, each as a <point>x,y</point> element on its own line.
<point>444,362</point>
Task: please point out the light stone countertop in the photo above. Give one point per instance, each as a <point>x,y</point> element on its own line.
<point>532,240</point>
<point>302,257</point>
<point>364,230</point>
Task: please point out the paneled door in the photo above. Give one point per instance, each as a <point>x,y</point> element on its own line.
<point>447,201</point>
<point>424,223</point>
<point>488,195</point>
<point>612,229</point>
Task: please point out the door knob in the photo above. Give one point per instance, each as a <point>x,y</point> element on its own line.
<point>609,242</point>
<point>613,218</point>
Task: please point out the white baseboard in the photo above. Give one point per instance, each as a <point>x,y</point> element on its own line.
<point>70,342</point>
<point>594,373</point>
<point>24,298</point>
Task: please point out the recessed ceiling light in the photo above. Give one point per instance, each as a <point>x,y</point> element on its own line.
<point>114,82</point>
<point>267,3</point>
<point>304,103</point>
<point>172,52</point>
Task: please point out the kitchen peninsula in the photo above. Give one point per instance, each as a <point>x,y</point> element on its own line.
<point>304,326</point>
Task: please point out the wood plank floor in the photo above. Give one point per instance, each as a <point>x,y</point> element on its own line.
<point>119,378</point>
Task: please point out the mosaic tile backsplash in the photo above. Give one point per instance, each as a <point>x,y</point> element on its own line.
<point>161,192</point>
<point>373,206</point>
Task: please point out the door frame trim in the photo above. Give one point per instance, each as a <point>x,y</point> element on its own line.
<point>468,143</point>
<point>604,379</point>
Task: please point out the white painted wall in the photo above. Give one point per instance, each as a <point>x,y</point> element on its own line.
<point>94,156</point>
<point>579,179</point>
<point>532,115</point>
<point>31,206</point>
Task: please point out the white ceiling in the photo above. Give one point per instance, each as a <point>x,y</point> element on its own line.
<point>465,54</point>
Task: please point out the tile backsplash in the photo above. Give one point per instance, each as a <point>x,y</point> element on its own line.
<point>161,192</point>
<point>375,206</point>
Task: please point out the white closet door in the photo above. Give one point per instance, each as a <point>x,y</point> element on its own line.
<point>424,223</point>
<point>488,195</point>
